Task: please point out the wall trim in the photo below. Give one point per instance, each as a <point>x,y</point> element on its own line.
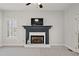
<point>58,44</point>
<point>1,45</point>
<point>73,49</point>
<point>13,44</point>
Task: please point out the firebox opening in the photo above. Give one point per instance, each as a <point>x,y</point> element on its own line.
<point>37,39</point>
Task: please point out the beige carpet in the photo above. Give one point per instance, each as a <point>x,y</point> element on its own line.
<point>21,51</point>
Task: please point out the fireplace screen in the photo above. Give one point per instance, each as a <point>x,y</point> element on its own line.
<point>37,39</point>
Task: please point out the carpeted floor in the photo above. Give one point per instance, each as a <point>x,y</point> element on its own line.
<point>22,51</point>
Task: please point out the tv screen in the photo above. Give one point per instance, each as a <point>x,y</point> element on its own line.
<point>36,21</point>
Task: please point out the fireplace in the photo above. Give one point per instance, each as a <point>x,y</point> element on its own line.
<point>37,39</point>
<point>37,33</point>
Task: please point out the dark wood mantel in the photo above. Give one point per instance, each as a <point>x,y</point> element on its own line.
<point>37,29</point>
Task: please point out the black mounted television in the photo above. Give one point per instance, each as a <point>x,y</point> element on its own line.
<point>36,21</point>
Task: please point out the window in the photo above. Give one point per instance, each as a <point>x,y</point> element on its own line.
<point>11,28</point>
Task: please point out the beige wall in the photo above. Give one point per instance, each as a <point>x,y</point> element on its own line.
<point>0,28</point>
<point>54,18</point>
<point>71,28</point>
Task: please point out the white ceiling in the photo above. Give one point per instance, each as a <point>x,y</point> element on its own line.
<point>34,6</point>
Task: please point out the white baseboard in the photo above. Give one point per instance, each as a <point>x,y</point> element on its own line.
<point>1,45</point>
<point>13,44</point>
<point>28,45</point>
<point>73,49</point>
<point>58,44</point>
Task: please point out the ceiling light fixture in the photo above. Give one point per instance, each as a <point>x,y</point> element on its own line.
<point>39,4</point>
